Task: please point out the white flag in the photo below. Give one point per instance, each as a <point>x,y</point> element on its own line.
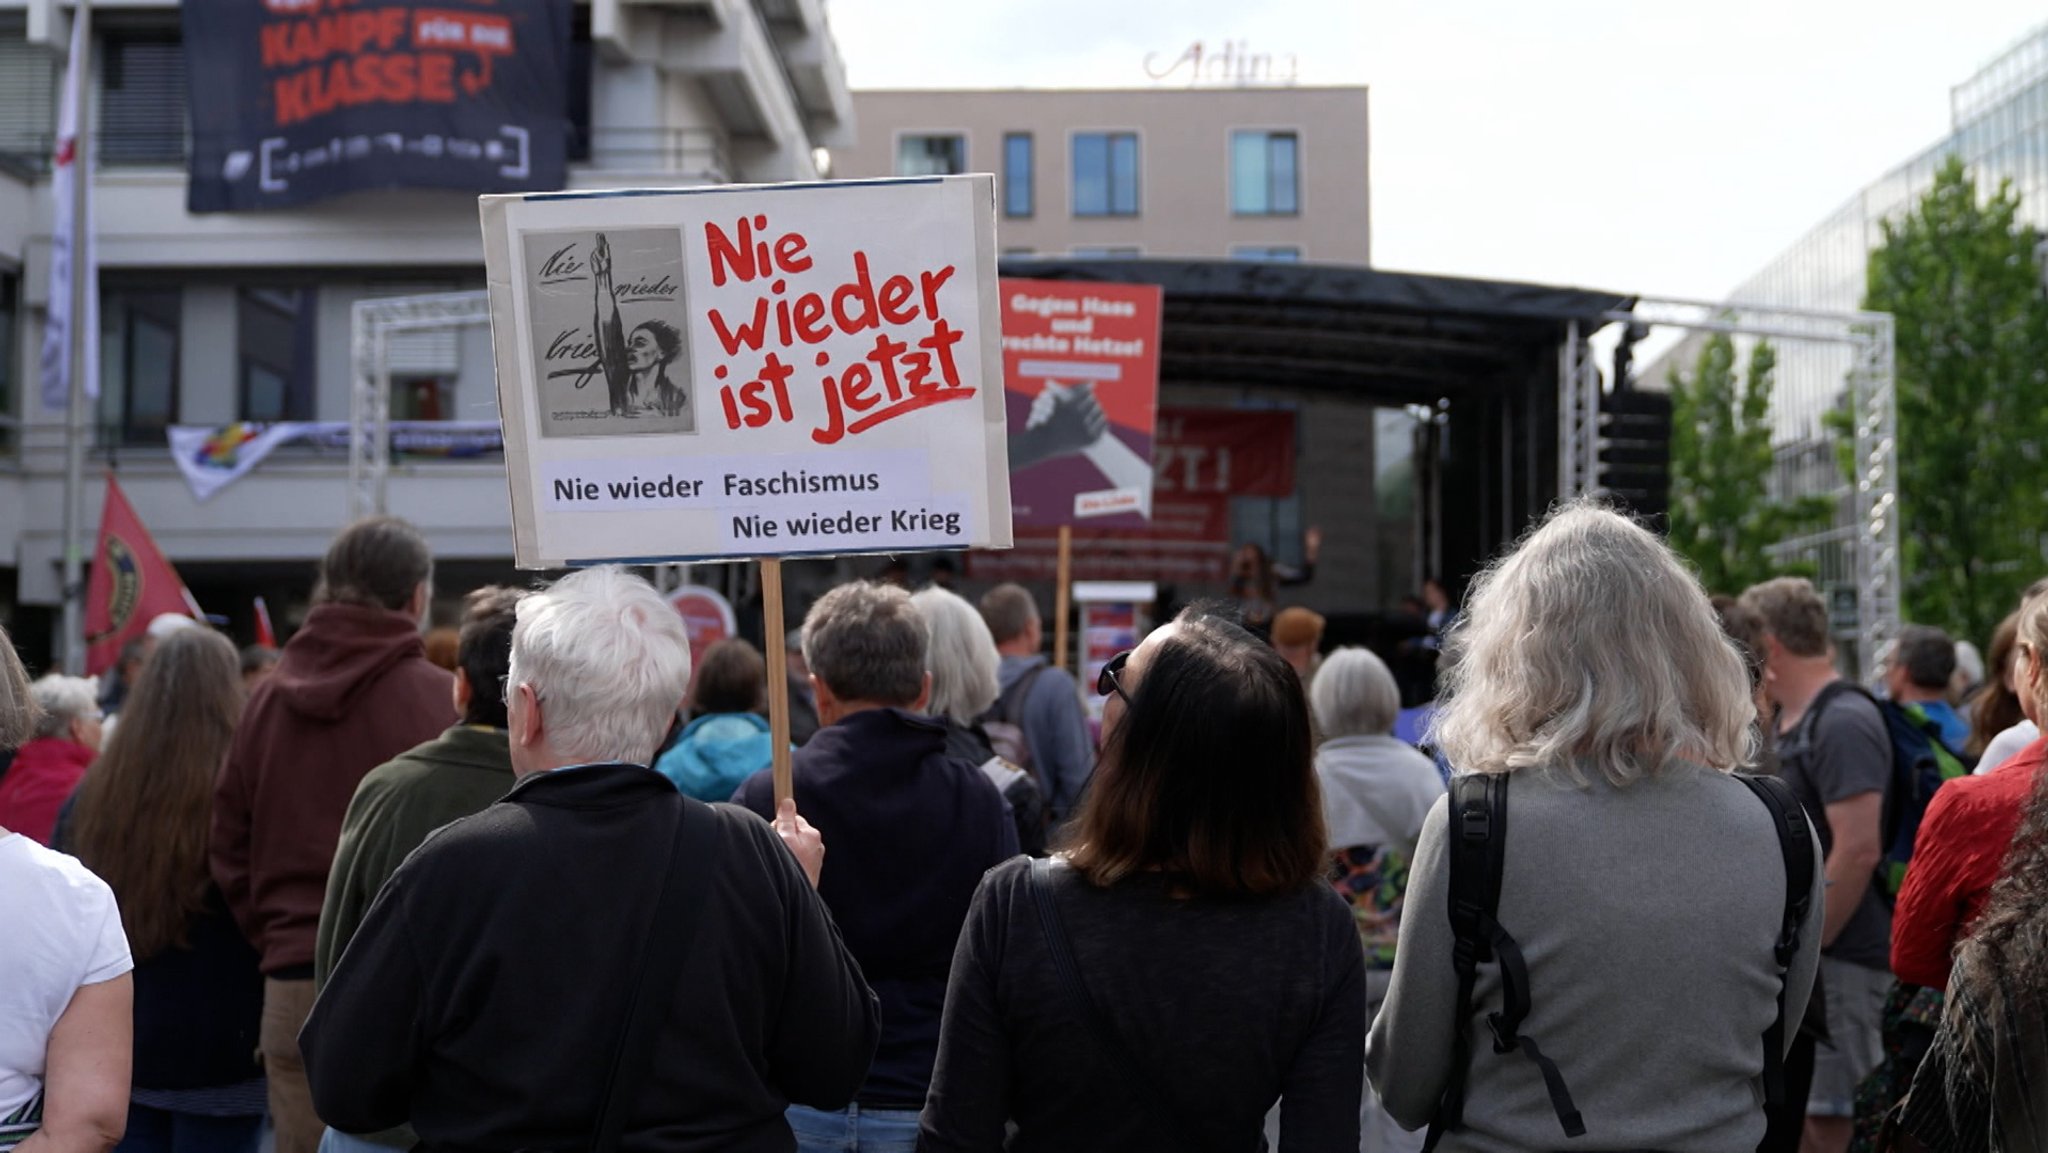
<point>71,237</point>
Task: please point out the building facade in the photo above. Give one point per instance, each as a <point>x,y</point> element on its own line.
<point>212,319</point>
<point>1999,129</point>
<point>1256,173</point>
<point>1238,171</point>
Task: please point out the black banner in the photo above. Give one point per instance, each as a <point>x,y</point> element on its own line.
<point>296,100</point>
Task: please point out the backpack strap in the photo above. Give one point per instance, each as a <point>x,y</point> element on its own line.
<point>1010,707</point>
<point>690,864</point>
<point>1795,842</point>
<point>1478,859</point>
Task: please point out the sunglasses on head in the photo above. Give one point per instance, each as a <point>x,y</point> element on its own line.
<point>1106,681</point>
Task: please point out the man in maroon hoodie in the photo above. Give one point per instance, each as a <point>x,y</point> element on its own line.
<point>352,690</point>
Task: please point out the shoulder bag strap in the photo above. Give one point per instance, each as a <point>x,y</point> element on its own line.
<point>676,917</point>
<point>1129,1069</point>
<point>1795,842</point>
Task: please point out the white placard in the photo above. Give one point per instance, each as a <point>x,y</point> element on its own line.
<point>720,373</point>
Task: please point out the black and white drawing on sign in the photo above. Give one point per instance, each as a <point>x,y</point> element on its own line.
<point>609,321</point>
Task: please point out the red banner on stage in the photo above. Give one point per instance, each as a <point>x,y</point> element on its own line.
<point>1203,457</point>
<point>131,583</point>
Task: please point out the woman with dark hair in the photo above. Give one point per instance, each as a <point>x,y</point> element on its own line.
<point>1984,1084</point>
<point>1182,965</point>
<point>1999,724</point>
<point>140,821</point>
<point>727,739</point>
<point>1256,579</point>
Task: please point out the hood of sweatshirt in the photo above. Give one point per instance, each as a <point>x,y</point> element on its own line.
<point>717,753</point>
<point>339,652</point>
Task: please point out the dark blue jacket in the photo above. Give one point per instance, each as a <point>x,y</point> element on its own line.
<point>908,831</point>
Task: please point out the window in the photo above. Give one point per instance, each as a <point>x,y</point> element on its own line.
<point>1265,173</point>
<point>1105,174</point>
<point>422,397</point>
<point>1020,253</point>
<point>138,363</point>
<point>142,100</point>
<point>1105,252</point>
<point>1286,253</point>
<point>1018,192</point>
<point>274,332</point>
<point>28,99</point>
<point>931,155</point>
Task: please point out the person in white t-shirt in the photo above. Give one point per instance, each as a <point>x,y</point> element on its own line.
<point>65,994</point>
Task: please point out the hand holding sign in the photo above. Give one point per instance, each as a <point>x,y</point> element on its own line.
<point>803,839</point>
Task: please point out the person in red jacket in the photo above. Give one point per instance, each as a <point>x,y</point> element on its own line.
<point>1965,833</point>
<point>352,689</point>
<point>49,766</point>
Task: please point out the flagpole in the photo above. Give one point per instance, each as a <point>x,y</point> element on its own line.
<point>75,425</point>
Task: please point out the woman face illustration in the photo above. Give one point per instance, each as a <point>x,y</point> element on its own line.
<point>642,350</point>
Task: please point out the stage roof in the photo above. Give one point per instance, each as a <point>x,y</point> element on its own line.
<point>1388,337</point>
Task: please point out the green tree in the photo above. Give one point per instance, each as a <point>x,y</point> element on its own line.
<point>1723,517</point>
<point>1959,276</point>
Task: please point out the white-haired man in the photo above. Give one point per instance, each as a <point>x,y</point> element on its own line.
<point>484,997</point>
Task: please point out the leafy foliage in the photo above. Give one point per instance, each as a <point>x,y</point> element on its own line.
<point>1959,275</point>
<point>1723,516</point>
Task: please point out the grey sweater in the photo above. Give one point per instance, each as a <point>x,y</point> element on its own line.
<point>1647,916</point>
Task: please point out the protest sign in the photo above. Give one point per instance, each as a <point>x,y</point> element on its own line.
<point>299,100</point>
<point>1203,459</point>
<point>720,373</point>
<point>1081,375</point>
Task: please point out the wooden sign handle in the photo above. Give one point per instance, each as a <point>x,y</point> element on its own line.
<point>1061,595</point>
<point>778,673</point>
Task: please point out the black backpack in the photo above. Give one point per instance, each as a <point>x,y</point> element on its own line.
<point>1003,723</point>
<point>1921,763</point>
<point>1478,852</point>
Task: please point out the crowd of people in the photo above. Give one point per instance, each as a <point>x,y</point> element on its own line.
<point>539,892</point>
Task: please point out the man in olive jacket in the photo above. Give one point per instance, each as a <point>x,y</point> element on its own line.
<point>460,772</point>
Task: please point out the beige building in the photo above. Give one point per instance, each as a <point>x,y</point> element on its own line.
<point>1272,173</point>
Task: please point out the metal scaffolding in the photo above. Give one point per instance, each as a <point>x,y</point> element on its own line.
<point>1866,534</point>
<point>372,323</point>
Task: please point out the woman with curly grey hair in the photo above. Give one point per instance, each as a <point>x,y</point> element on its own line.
<point>1645,886</point>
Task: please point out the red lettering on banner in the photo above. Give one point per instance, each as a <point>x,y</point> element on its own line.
<point>368,79</point>
<point>895,378</point>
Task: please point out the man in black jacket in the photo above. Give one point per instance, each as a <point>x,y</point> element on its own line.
<point>912,830</point>
<point>484,995</point>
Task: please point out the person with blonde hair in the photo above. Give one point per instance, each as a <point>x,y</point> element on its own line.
<point>963,662</point>
<point>66,993</point>
<point>1631,970</point>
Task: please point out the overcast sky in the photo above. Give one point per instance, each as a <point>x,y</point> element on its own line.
<point>1642,146</point>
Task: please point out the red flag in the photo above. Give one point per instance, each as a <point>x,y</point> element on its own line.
<point>265,635</point>
<point>131,584</point>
